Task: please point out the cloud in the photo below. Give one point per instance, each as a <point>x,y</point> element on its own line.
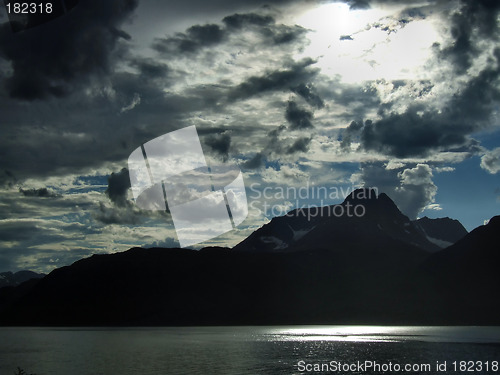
<point>349,133</point>
<point>274,143</point>
<point>357,101</point>
<point>300,145</point>
<point>238,21</point>
<point>168,243</point>
<point>24,243</point>
<point>71,143</point>
<point>56,58</point>
<point>307,92</point>
<point>255,162</point>
<point>413,134</point>
<point>433,207</point>
<point>241,83</point>
<point>219,143</point>
<point>412,189</point>
<point>136,100</point>
<point>117,214</point>
<point>197,37</point>
<point>346,37</point>
<point>472,23</point>
<point>42,193</point>
<point>294,74</point>
<point>118,186</point>
<point>443,169</point>
<point>149,68</point>
<point>443,117</point>
<point>298,118</point>
<point>282,34</point>
<point>421,130</point>
<point>491,161</point>
<point>418,189</point>
<point>358,4</point>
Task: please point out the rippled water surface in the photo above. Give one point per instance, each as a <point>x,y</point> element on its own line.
<point>245,350</point>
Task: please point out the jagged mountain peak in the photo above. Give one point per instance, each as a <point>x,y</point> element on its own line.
<point>494,221</point>
<point>363,218</point>
<point>441,231</point>
<point>12,279</point>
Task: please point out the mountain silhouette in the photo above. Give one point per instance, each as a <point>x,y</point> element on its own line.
<point>378,268</point>
<point>443,231</point>
<point>465,274</point>
<point>14,279</point>
<point>339,226</point>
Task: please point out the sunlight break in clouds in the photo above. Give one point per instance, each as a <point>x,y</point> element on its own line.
<point>367,44</point>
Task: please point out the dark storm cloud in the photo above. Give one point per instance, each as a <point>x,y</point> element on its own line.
<point>7,178</point>
<point>117,215</point>
<point>118,185</point>
<point>291,76</point>
<point>412,134</point>
<point>79,133</point>
<point>112,116</point>
<point>220,143</point>
<point>359,99</point>
<point>308,93</point>
<point>346,37</point>
<point>282,34</point>
<point>55,58</point>
<point>266,26</point>
<point>197,37</point>
<point>42,193</point>
<point>298,118</point>
<point>300,145</point>
<point>274,146</point>
<point>358,4</point>
<point>418,131</point>
<point>278,144</point>
<point>238,21</point>
<point>255,162</point>
<point>149,68</point>
<point>350,132</point>
<point>366,4</point>
<point>124,211</point>
<point>475,21</point>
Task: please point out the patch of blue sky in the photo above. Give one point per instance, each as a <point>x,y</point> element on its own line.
<point>489,139</point>
<point>468,194</point>
<point>85,184</point>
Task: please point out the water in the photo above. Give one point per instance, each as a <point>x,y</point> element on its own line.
<point>246,350</point>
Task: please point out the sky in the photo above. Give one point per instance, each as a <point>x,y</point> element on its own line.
<point>310,99</point>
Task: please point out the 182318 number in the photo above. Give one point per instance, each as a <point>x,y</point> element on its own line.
<point>29,8</point>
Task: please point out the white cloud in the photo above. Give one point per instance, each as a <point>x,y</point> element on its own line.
<point>136,100</point>
<point>491,161</point>
<point>433,207</point>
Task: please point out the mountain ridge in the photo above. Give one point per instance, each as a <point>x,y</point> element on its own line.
<point>377,278</point>
<point>338,224</point>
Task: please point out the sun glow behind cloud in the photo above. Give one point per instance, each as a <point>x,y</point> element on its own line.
<point>362,45</point>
